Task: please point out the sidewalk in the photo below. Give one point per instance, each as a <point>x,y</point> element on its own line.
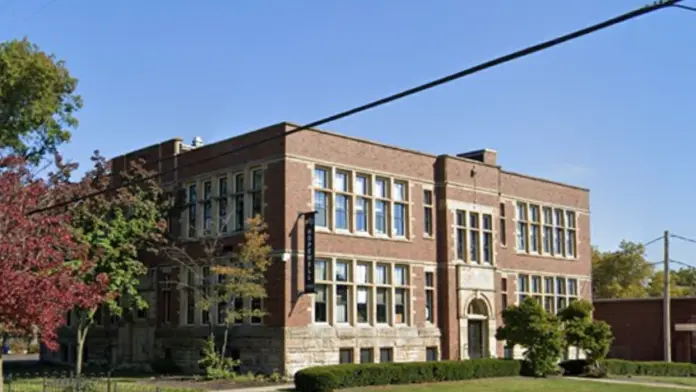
<point>268,388</point>
<point>641,383</point>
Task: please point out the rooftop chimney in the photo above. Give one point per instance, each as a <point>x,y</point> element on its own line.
<point>486,156</point>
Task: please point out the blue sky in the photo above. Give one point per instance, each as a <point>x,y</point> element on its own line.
<point>612,111</point>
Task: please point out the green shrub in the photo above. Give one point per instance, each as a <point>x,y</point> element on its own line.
<point>574,367</point>
<point>621,367</point>
<point>329,378</point>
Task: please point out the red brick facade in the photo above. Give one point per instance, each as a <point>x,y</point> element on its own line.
<point>637,325</point>
<point>469,194</point>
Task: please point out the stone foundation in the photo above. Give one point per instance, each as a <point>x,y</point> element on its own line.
<point>320,345</point>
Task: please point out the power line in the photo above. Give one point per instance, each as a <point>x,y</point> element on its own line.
<point>414,90</point>
<point>684,7</point>
<point>660,238</point>
<point>693,241</point>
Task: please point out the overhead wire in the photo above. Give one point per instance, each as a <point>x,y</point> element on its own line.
<point>658,5</point>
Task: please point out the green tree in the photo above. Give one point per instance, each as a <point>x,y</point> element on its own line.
<point>679,285</point>
<point>37,101</point>
<point>240,275</point>
<point>537,331</point>
<point>594,337</point>
<point>116,227</point>
<point>620,274</point>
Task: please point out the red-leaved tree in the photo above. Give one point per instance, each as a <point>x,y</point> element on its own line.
<point>40,262</point>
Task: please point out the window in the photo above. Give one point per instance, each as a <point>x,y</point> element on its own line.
<point>256,192</point>
<point>570,234</point>
<point>321,197</point>
<point>503,294</point>
<point>431,354</point>
<point>222,305</point>
<point>238,306</point>
<point>535,228</point>
<point>554,293</point>
<point>399,209</point>
<point>478,243</point>
<point>207,207</point>
<point>190,297</point>
<point>205,284</point>
<point>222,204</point>
<point>256,308</point>
<point>345,355</point>
<point>321,274</point>
<point>503,232</point>
<point>166,298</point>
<point>430,297</point>
<point>192,211</point>
<point>522,227</point>
<point>381,206</point>
<point>367,355</point>
<point>507,351</point>
<point>238,201</point>
<point>342,208</point>
<point>362,203</point>
<point>547,239</point>
<point>546,230</point>
<point>428,212</point>
<point>461,234</point>
<point>386,354</point>
<point>362,276</point>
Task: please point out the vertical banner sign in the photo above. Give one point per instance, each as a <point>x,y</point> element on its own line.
<point>309,252</point>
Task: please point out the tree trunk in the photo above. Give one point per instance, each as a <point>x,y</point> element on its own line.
<point>2,374</point>
<point>224,344</point>
<point>81,338</point>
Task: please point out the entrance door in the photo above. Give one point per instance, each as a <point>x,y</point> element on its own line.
<point>475,339</point>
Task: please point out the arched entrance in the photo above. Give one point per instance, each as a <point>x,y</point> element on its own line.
<point>477,327</point>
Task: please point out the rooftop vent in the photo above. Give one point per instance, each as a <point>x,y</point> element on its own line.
<point>197,142</point>
<point>486,156</point>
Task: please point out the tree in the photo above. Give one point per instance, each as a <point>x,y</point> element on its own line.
<point>594,337</point>
<point>620,274</point>
<point>679,284</point>
<point>37,101</point>
<point>240,278</point>
<point>537,331</point>
<point>40,261</point>
<point>116,228</point>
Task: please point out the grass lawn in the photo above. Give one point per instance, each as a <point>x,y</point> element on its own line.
<point>123,385</point>
<point>517,385</point>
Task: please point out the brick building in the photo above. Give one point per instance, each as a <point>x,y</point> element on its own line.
<point>416,254</point>
<point>637,325</point>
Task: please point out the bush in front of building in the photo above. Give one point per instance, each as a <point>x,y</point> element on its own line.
<point>330,378</point>
<point>620,367</point>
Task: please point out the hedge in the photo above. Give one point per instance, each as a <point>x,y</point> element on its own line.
<point>329,378</point>
<point>620,367</point>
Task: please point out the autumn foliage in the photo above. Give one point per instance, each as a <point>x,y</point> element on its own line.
<point>40,262</point>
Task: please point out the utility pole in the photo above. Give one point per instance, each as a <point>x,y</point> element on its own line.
<point>667,318</point>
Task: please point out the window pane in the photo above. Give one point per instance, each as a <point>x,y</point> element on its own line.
<point>570,243</point>
<point>474,246</point>
<point>560,239</point>
<point>257,179</point>
<point>400,276</point>
<point>320,304</point>
<point>429,305</point>
<point>320,270</point>
<point>385,355</point>
<point>521,211</point>
<point>320,178</point>
<point>361,213</point>
<point>561,286</point>
<point>321,217</point>
<point>548,239</point>
<point>341,181</point>
<point>548,283</point>
<point>522,236</point>
<point>345,355</point>
<point>536,284</point>
<point>572,287</point>
<point>361,185</point>
<point>341,272</point>
<point>548,304</point>
<point>222,186</point>
<point>362,273</point>
<point>399,191</point>
<point>239,183</point>
<point>487,247</point>
<point>534,238</point>
<point>341,212</point>
<point>429,279</point>
<point>382,303</point>
<point>381,274</point>
<point>366,355</point>
<point>461,243</point>
<point>570,219</point>
<point>474,220</point>
<point>400,305</point>
<point>523,283</point>
<point>399,219</point>
<point>342,304</point>
<point>534,212</point>
<point>547,216</point>
<point>363,297</point>
<point>380,188</point>
<point>380,216</point>
<point>558,217</point>
<point>487,222</point>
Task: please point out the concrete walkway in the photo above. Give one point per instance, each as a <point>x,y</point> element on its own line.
<point>267,388</point>
<point>630,382</point>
